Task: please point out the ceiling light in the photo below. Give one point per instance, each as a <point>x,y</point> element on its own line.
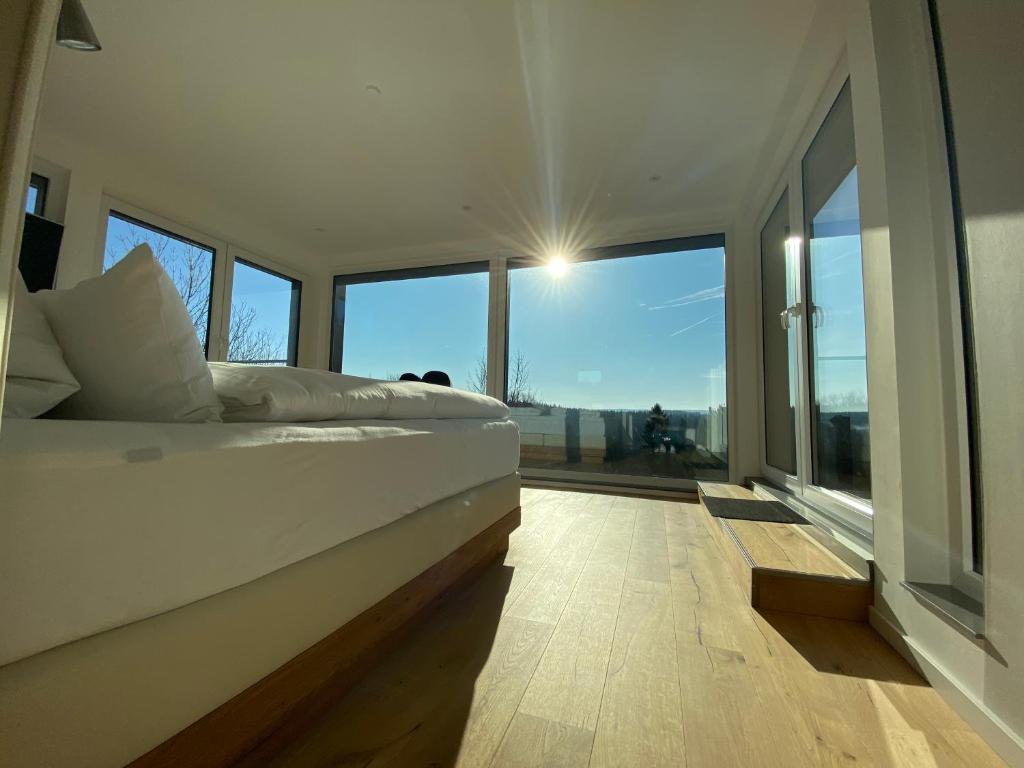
<point>74,30</point>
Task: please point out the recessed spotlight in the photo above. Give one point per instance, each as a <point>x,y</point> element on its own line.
<point>374,89</point>
<point>655,177</point>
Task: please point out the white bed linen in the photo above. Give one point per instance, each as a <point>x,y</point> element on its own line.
<point>271,393</point>
<point>105,523</point>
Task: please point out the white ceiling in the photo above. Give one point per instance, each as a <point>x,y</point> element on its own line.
<point>541,116</point>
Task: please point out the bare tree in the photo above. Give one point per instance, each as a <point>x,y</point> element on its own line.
<point>518,389</point>
<point>189,267</point>
<point>477,381</point>
<point>247,342</point>
<point>519,392</point>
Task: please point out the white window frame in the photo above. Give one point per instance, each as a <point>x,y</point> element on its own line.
<point>237,252</point>
<point>852,516</point>
<point>216,349</point>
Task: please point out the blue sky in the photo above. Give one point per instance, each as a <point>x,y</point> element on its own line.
<point>624,333</point>
<point>618,333</point>
<point>433,323</point>
<point>271,296</point>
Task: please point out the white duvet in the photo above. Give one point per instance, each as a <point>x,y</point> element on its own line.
<point>261,393</point>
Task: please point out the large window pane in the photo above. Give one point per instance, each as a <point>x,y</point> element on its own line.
<point>189,264</point>
<point>264,326</point>
<point>778,292</point>
<point>617,366</point>
<point>835,308</point>
<point>413,321</point>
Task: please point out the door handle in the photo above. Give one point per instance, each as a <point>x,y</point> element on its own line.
<point>792,310</point>
<point>817,316</point>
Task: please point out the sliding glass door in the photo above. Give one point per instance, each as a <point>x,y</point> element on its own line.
<point>616,364</point>
<point>817,435</point>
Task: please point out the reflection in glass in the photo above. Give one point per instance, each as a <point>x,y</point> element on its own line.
<point>264,316</point>
<point>617,366</point>
<point>835,287</point>
<point>778,292</point>
<point>189,264</point>
<point>387,327</point>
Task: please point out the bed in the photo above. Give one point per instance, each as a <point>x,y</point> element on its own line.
<point>153,572</point>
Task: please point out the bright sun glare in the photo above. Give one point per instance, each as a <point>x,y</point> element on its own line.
<point>557,265</point>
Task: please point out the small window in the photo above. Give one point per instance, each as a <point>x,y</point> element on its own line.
<point>188,263</point>
<point>264,326</point>
<point>836,338</point>
<point>415,320</point>
<point>36,201</point>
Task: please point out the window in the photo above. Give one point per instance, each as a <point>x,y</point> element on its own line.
<point>617,363</point>
<point>779,285</point>
<point>264,326</point>
<point>840,456</point>
<point>417,320</point>
<point>37,188</point>
<point>188,263</point>
<point>814,354</point>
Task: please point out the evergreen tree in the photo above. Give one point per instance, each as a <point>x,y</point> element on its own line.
<point>655,428</point>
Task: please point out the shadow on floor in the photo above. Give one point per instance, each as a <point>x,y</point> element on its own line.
<point>412,709</point>
<point>837,647</point>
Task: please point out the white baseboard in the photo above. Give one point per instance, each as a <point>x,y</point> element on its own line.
<point>1007,744</point>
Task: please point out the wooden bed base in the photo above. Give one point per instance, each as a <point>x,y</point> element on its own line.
<point>297,692</point>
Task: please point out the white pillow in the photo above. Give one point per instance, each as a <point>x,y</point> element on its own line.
<point>37,376</point>
<point>129,340</point>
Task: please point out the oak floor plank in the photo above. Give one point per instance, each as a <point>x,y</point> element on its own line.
<point>640,722</point>
<point>648,557</point>
<point>544,597</point>
<point>499,688</point>
<point>675,669</point>
<point>533,742</point>
<point>528,552</point>
<point>569,680</point>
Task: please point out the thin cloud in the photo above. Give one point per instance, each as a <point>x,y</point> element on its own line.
<point>694,325</point>
<point>707,294</point>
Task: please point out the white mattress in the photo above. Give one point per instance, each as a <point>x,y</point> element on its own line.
<point>105,523</point>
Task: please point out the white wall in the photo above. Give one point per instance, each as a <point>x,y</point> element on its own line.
<point>94,173</point>
<point>986,73</point>
<point>914,355</point>
<point>912,334</point>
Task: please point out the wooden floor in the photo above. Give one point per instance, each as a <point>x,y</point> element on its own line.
<point>614,635</point>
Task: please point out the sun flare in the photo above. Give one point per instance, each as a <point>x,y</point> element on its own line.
<point>558,266</point>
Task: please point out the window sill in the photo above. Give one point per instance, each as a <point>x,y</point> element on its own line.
<point>959,609</point>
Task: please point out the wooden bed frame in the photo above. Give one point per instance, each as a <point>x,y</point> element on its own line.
<point>288,698</point>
